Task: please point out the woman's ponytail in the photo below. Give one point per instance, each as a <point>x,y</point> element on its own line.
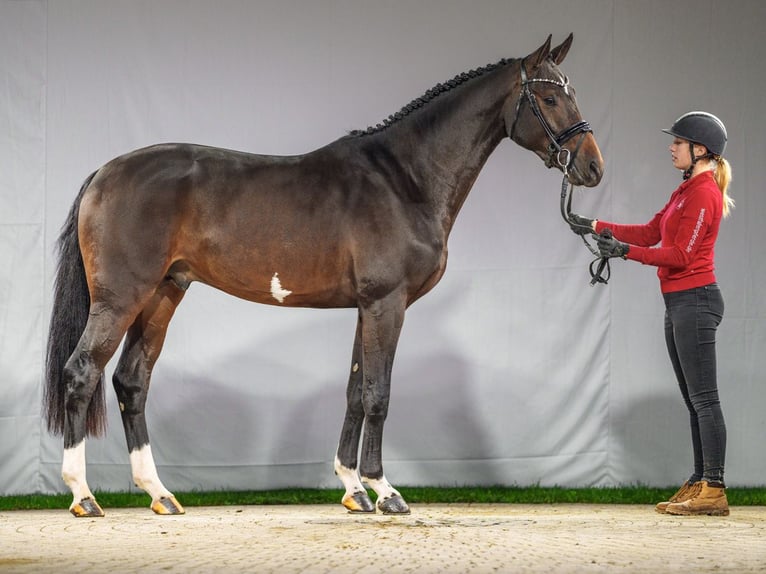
<point>722,177</point>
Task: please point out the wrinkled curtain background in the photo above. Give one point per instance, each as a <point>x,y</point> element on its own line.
<point>513,370</point>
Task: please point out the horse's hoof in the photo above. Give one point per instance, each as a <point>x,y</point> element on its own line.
<point>393,505</point>
<point>167,505</point>
<point>358,502</point>
<point>87,508</point>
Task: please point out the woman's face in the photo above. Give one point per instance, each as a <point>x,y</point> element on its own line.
<point>681,155</point>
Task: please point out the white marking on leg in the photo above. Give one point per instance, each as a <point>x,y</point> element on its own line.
<point>276,289</point>
<point>382,488</point>
<point>73,472</point>
<point>145,473</point>
<point>349,477</point>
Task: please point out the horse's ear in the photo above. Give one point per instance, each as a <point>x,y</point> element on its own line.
<point>538,56</point>
<point>560,52</point>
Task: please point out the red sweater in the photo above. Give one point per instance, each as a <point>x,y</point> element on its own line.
<point>686,230</point>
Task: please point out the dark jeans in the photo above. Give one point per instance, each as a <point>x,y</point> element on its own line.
<point>691,320</point>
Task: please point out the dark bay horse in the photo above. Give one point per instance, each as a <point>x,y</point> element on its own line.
<point>362,222</point>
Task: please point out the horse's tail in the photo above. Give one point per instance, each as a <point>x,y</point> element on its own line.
<point>71,305</point>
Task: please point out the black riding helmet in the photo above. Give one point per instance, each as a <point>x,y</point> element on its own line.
<point>700,128</point>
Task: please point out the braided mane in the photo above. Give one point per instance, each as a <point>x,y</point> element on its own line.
<point>438,89</point>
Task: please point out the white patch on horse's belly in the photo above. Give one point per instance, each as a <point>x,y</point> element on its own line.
<point>276,289</point>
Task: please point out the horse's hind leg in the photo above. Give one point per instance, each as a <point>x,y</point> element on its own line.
<point>143,344</point>
<point>355,498</point>
<point>82,372</point>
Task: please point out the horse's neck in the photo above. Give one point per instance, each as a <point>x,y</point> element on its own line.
<point>457,132</point>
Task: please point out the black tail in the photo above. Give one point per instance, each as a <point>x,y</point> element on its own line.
<point>71,304</point>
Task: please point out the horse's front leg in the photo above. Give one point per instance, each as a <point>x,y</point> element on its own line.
<point>355,499</point>
<point>381,325</point>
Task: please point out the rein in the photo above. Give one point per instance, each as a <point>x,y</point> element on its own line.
<point>601,263</point>
<point>563,158</point>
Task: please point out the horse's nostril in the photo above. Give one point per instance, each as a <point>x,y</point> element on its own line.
<point>596,170</point>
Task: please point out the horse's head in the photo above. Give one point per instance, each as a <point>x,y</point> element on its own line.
<point>544,117</point>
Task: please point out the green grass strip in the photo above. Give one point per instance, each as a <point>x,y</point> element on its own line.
<point>414,495</point>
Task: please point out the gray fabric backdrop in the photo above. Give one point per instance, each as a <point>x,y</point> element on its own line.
<point>513,370</point>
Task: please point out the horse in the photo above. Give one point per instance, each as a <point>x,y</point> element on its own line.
<point>361,222</point>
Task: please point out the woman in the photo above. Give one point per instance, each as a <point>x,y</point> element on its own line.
<point>686,230</point>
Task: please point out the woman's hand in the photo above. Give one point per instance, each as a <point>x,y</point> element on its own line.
<point>608,246</point>
<point>580,225</point>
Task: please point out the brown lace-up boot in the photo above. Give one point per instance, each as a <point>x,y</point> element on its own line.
<point>710,500</point>
<point>686,491</point>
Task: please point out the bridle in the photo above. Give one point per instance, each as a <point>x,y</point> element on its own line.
<point>556,152</point>
<point>561,156</point>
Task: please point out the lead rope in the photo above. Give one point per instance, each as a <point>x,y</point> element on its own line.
<point>600,263</point>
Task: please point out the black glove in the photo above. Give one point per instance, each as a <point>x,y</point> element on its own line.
<point>580,225</point>
<point>608,246</point>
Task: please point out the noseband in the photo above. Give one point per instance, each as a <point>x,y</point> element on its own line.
<point>563,158</point>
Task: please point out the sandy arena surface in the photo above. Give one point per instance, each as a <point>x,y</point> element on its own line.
<point>434,538</point>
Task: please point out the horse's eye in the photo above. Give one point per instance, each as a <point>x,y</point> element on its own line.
<point>549,101</point>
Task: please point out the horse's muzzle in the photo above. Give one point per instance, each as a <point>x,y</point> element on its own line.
<point>587,168</point>
<point>589,174</point>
